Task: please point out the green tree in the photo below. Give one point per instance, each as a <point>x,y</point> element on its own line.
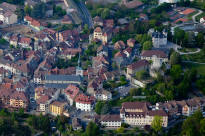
<point>200,84</point>
<point>147,45</point>
<point>191,126</point>
<point>27,10</point>
<point>135,91</point>
<point>141,75</point>
<point>102,107</point>
<point>200,40</point>
<point>120,130</point>
<point>202,127</point>
<point>175,58</point>
<point>176,72</point>
<point>169,95</point>
<point>92,129</point>
<point>39,10</point>
<point>105,13</point>
<point>157,124</point>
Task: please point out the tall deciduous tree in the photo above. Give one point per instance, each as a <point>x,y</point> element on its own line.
<point>157,124</point>
<point>92,129</point>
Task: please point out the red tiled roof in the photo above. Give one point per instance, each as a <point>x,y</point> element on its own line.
<point>28,18</point>
<point>43,99</point>
<point>188,11</point>
<point>57,103</point>
<point>82,98</point>
<point>25,40</point>
<point>14,38</point>
<point>120,54</point>
<point>133,4</point>
<point>19,96</point>
<point>181,19</point>
<point>72,91</point>
<point>35,23</point>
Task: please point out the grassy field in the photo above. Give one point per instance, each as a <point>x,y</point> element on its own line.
<point>198,57</point>
<point>199,67</point>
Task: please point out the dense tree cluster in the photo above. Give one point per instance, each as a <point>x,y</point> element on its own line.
<point>194,125</point>
<point>188,39</point>
<point>102,107</point>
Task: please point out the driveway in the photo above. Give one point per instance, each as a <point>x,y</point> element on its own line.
<point>194,16</point>
<point>186,53</point>
<point>176,47</point>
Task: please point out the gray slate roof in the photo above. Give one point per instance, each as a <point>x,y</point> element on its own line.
<point>63,78</point>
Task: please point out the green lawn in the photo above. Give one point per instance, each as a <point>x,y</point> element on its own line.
<point>200,16</point>
<point>198,57</point>
<point>187,49</point>
<point>199,67</point>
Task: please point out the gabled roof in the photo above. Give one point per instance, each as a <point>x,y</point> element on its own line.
<point>98,30</point>
<point>19,96</point>
<point>72,91</point>
<point>82,98</point>
<point>138,64</point>
<point>150,53</point>
<point>136,105</point>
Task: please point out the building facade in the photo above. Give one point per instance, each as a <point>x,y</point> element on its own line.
<point>140,114</point>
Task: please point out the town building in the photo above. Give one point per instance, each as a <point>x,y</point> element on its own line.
<point>159,39</point>
<point>84,102</point>
<point>7,13</point>
<point>43,103</point>
<point>19,100</point>
<point>137,66</point>
<point>184,107</point>
<point>153,54</point>
<point>141,114</point>
<point>98,21</point>
<point>62,79</point>
<point>101,35</point>
<point>103,95</point>
<point>71,92</point>
<point>76,124</point>
<point>110,121</point>
<point>57,108</point>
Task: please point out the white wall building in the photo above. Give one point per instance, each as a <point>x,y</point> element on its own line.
<point>110,120</point>
<point>84,102</point>
<point>140,114</point>
<point>103,95</point>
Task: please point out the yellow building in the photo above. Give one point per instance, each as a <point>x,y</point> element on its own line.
<point>57,108</point>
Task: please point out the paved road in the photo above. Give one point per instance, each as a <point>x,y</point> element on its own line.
<point>86,14</point>
<point>186,53</point>
<point>176,47</point>
<point>193,62</point>
<point>194,16</point>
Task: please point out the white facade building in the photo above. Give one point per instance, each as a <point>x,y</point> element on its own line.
<point>140,114</point>
<point>110,120</point>
<point>84,102</point>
